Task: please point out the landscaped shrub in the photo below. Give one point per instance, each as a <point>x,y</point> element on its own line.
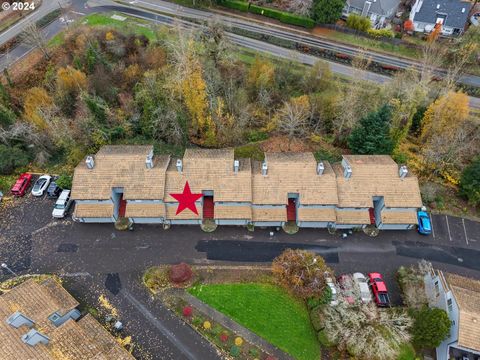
<point>207,325</point>
<point>223,337</point>
<point>236,5</point>
<point>234,351</point>
<point>180,273</point>
<point>357,22</point>
<point>379,33</point>
<point>316,318</point>
<point>323,339</point>
<point>187,311</point>
<point>238,341</point>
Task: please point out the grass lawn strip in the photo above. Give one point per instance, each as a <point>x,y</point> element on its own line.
<point>268,311</point>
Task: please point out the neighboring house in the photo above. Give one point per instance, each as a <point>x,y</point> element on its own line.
<point>128,181</point>
<point>40,320</point>
<point>460,298</point>
<point>378,11</point>
<point>451,14</point>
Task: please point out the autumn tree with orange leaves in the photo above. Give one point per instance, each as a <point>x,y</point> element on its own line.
<point>301,272</point>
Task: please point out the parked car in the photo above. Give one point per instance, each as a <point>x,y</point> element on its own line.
<point>331,285</point>
<point>21,185</point>
<point>61,206</point>
<point>1,196</point>
<point>424,224</point>
<point>379,289</point>
<point>41,185</point>
<point>362,283</point>
<point>53,189</point>
<point>346,284</point>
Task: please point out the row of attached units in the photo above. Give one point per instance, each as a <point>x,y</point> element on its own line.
<point>129,181</point>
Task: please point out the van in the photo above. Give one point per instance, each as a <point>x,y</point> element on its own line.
<point>62,205</point>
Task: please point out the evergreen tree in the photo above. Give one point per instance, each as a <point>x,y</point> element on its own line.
<point>327,11</point>
<point>470,182</point>
<point>372,134</point>
<point>430,328</point>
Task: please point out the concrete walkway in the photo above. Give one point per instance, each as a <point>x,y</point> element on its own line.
<point>238,329</point>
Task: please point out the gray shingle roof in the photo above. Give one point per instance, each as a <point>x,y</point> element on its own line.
<point>452,8</point>
<point>380,7</point>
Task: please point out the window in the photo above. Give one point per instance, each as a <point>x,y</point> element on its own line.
<point>437,289</point>
<point>450,305</point>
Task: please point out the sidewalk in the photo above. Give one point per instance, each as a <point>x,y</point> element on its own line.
<point>232,325</point>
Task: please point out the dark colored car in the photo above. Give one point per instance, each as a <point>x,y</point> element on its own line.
<point>21,185</point>
<point>53,190</point>
<point>379,289</point>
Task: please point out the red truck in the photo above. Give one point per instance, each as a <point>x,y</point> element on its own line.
<point>21,185</point>
<point>379,289</point>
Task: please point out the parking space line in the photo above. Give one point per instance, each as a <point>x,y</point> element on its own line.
<point>448,228</point>
<point>465,230</point>
<point>431,224</point>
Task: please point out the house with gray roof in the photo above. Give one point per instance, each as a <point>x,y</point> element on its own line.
<point>378,11</point>
<point>451,14</point>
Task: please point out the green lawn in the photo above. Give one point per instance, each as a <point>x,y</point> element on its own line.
<point>268,311</point>
<point>138,26</point>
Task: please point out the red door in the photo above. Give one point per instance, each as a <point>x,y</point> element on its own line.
<point>123,207</point>
<point>371,212</point>
<point>291,210</point>
<point>208,207</point>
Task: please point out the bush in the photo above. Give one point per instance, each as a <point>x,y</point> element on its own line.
<point>64,181</point>
<point>323,339</point>
<point>180,273</point>
<point>430,328</point>
<point>324,299</point>
<point>327,11</point>
<point>156,278</point>
<point>316,318</point>
<point>282,16</point>
<point>470,182</point>
<point>11,158</point>
<point>234,351</point>
<point>357,22</point>
<point>236,5</point>
<point>187,311</point>
<point>256,135</point>
<point>381,33</point>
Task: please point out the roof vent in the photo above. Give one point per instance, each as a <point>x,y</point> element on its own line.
<point>403,172</point>
<point>264,168</point>
<point>149,161</point>
<point>236,166</point>
<point>33,337</point>
<point>320,168</point>
<point>438,6</point>
<point>17,319</point>
<point>347,172</point>
<point>179,165</point>
<point>90,162</point>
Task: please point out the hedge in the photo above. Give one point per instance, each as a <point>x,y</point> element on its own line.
<point>235,4</point>
<point>284,17</point>
<point>379,33</point>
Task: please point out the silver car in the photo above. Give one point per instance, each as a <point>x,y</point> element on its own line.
<point>362,283</point>
<point>62,205</point>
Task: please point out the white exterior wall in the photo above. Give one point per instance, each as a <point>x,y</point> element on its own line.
<point>438,296</point>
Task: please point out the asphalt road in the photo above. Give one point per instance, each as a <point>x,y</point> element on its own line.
<point>46,7</point>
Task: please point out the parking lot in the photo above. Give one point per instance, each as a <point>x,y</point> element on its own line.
<point>455,231</point>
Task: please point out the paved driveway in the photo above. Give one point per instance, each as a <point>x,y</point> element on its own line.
<point>31,241</point>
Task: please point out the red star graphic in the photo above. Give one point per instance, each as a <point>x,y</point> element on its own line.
<point>186,200</point>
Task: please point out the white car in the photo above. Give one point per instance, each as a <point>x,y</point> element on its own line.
<point>62,205</point>
<point>331,285</point>
<point>362,283</point>
<point>41,185</point>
